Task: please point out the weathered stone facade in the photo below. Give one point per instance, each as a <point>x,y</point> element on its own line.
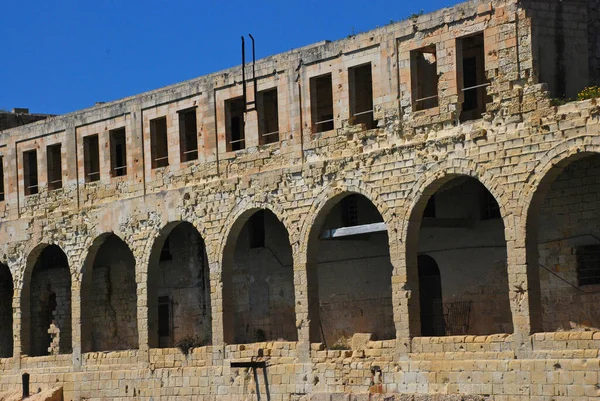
<point>383,241</point>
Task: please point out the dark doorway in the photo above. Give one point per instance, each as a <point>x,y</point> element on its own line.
<point>430,297</point>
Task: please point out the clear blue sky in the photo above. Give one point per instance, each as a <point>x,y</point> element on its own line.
<point>65,55</point>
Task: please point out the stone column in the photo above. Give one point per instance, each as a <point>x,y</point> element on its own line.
<point>76,322</point>
<point>306,305</point>
<point>141,278</point>
<point>405,290</point>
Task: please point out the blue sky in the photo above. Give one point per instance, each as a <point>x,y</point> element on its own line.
<point>64,55</point>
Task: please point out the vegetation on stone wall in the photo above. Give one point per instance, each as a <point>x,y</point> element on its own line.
<point>589,93</point>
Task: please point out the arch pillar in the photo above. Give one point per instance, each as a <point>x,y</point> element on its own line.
<point>402,295</point>
<point>141,279</point>
<point>304,273</point>
<point>76,321</point>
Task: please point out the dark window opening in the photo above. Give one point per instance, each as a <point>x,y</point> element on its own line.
<point>349,209</point>
<point>54,162</point>
<point>424,77</point>
<point>474,83</point>
<point>164,316</point>
<point>165,252</point>
<point>1,179</point>
<point>268,117</point>
<point>489,207</point>
<point>361,96</point>
<point>430,207</point>
<point>91,158</point>
<point>430,297</point>
<point>256,227</point>
<point>188,135</point>
<point>321,100</point>
<point>159,146</point>
<point>588,264</point>
<point>30,172</point>
<point>235,127</point>
<point>118,153</point>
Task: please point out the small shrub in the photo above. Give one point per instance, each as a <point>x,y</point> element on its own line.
<point>186,344</point>
<point>589,93</point>
<point>559,101</point>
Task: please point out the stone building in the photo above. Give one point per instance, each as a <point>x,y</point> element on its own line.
<point>402,214</point>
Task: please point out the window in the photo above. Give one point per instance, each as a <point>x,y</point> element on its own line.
<point>159,147</point>
<point>54,164</point>
<point>1,179</point>
<point>588,264</point>
<point>30,172</point>
<point>349,210</point>
<point>361,96</point>
<point>256,226</point>
<point>118,153</point>
<point>268,117</point>
<point>91,158</point>
<point>164,316</point>
<point>188,135</point>
<point>234,114</point>
<point>471,76</point>
<point>321,100</point>
<point>424,77</point>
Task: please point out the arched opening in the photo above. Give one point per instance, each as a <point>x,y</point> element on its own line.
<point>258,281</point>
<point>563,232</point>
<point>46,303</point>
<point>6,315</point>
<point>109,297</point>
<point>430,297</point>
<point>349,273</point>
<point>179,288</point>
<point>458,232</point>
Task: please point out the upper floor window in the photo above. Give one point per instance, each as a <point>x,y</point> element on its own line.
<point>471,76</point>
<point>54,166</point>
<point>30,172</point>
<point>321,101</point>
<point>588,264</point>
<point>424,78</point>
<point>188,135</point>
<point>91,158</point>
<point>1,178</point>
<point>118,152</point>
<point>268,116</point>
<point>361,95</point>
<point>159,146</point>
<point>234,128</point>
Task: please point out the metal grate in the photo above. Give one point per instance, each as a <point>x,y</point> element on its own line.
<point>456,315</point>
<point>588,265</point>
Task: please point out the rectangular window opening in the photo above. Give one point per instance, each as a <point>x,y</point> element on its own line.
<point>118,153</point>
<point>234,114</point>
<point>361,96</point>
<point>54,164</point>
<point>188,135</point>
<point>588,264</point>
<point>164,316</point>
<point>321,100</point>
<point>349,208</point>
<point>472,78</point>
<point>91,158</point>
<point>257,230</point>
<point>424,78</point>
<point>30,172</point>
<point>268,116</point>
<point>159,147</point>
<point>1,179</point>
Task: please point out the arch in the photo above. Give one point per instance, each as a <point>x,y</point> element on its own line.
<point>560,227</point>
<point>350,291</point>
<point>46,302</point>
<point>6,315</point>
<point>430,286</point>
<point>178,287</point>
<point>470,220</point>
<point>258,278</point>
<point>108,296</point>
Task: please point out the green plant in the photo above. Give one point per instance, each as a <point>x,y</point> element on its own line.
<point>589,93</point>
<point>186,344</point>
<point>559,101</point>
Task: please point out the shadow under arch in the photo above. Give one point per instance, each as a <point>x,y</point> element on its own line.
<point>179,307</point>
<point>258,280</point>
<point>6,315</point>
<point>46,302</point>
<point>455,219</point>
<point>108,296</point>
<point>562,232</point>
<point>349,272</point>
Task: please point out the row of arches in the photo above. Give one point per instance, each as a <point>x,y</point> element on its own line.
<point>456,256</point>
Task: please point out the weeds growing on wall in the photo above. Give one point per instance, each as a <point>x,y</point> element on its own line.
<point>186,344</point>
<point>589,93</point>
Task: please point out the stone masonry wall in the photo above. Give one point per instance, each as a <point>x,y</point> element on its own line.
<point>516,150</point>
